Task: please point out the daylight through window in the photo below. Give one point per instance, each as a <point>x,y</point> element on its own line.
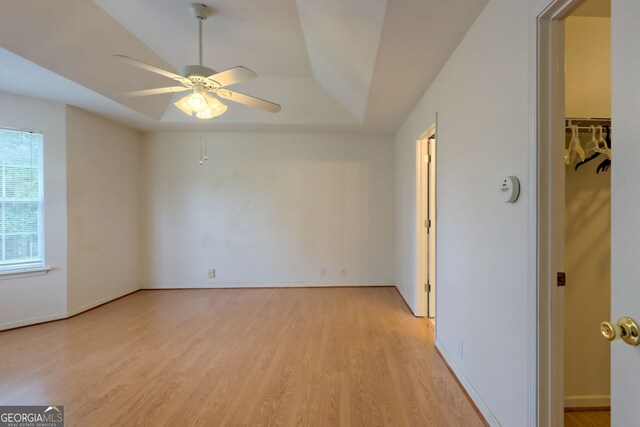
<point>21,200</point>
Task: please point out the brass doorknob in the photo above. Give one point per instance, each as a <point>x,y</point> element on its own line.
<point>626,328</point>
<point>611,331</point>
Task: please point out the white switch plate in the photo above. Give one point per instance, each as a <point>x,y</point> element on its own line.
<point>323,271</point>
<point>212,273</point>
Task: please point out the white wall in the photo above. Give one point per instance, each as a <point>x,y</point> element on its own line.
<point>588,66</point>
<point>36,299</point>
<point>588,220</point>
<point>268,209</point>
<point>482,97</point>
<point>103,193</point>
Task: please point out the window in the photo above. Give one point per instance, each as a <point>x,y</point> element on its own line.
<point>21,200</point>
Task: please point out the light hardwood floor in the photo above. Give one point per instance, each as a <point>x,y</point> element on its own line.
<point>587,419</point>
<point>326,357</point>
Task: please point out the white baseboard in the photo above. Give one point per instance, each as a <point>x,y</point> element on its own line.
<point>406,301</point>
<point>69,313</point>
<point>101,301</point>
<point>588,401</point>
<point>473,394</point>
<point>31,321</point>
<point>240,285</point>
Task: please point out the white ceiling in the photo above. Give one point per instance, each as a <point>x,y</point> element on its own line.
<point>333,65</point>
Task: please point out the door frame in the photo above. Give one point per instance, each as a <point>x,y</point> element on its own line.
<point>431,271</point>
<point>546,225</point>
<point>422,209</point>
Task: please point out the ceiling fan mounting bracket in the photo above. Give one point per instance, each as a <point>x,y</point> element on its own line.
<point>201,11</point>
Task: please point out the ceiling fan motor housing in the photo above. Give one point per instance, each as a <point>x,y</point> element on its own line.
<point>196,70</point>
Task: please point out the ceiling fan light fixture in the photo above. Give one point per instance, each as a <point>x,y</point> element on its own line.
<point>201,104</point>
<point>197,102</point>
<point>183,104</point>
<point>210,114</point>
<point>214,108</point>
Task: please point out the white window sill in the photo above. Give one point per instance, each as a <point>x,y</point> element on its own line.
<point>25,272</point>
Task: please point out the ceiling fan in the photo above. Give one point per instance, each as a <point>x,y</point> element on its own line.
<point>202,82</point>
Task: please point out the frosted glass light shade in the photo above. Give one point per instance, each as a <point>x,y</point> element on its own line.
<point>202,105</point>
<point>183,104</point>
<point>197,102</point>
<point>215,108</point>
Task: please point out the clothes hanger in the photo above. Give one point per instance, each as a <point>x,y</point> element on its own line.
<point>567,151</point>
<point>575,148</point>
<point>607,139</point>
<point>567,154</point>
<point>587,160</point>
<point>590,146</point>
<point>601,143</point>
<point>606,164</point>
<point>575,140</point>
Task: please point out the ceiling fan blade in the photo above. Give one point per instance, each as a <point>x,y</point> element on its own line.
<point>232,76</point>
<point>148,67</point>
<point>251,101</point>
<point>158,91</point>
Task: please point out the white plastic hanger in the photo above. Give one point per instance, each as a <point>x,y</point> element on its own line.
<point>574,146</point>
<point>567,151</point>
<point>592,145</point>
<point>577,146</point>
<point>601,143</point>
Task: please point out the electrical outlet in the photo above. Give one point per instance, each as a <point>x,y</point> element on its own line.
<point>323,271</point>
<point>343,271</point>
<point>212,273</point>
<point>461,349</point>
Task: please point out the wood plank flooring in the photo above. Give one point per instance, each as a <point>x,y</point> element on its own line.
<point>241,357</point>
<point>587,419</point>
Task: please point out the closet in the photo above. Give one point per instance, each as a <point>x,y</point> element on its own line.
<point>589,163</point>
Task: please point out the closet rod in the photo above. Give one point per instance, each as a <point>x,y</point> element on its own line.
<point>584,124</point>
<point>586,119</point>
<point>582,127</point>
<point>583,131</point>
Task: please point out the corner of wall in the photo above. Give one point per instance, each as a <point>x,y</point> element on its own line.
<point>103,209</point>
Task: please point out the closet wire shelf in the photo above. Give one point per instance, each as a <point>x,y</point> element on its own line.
<point>584,124</point>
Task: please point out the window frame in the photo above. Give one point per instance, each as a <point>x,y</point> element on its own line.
<point>27,268</point>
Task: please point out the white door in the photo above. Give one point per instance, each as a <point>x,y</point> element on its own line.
<point>625,207</point>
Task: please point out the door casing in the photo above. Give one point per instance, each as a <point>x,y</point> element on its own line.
<point>546,228</point>
<point>425,250</point>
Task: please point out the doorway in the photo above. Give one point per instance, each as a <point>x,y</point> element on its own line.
<point>426,196</point>
<point>587,210</point>
<point>574,212</point>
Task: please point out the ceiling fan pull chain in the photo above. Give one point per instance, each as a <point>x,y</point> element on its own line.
<point>205,146</point>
